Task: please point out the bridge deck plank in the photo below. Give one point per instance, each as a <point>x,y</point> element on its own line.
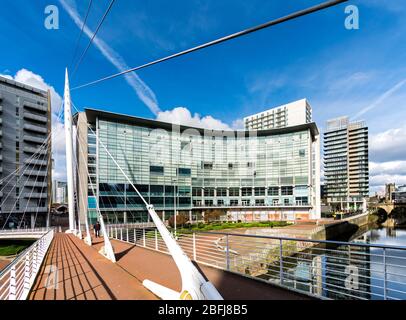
<point>84,274</point>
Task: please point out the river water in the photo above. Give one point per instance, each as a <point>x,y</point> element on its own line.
<point>353,272</point>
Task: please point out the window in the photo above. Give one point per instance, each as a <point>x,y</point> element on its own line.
<point>302,200</point>
<point>220,202</point>
<point>234,192</point>
<point>156,190</point>
<point>156,170</point>
<point>245,192</point>
<point>221,192</point>
<point>259,191</point>
<point>207,165</point>
<point>209,192</point>
<point>230,166</point>
<point>169,190</point>
<point>286,202</point>
<point>259,202</point>
<point>208,203</point>
<point>233,203</point>
<point>184,171</point>
<point>302,152</point>
<point>273,191</point>
<point>184,191</point>
<point>197,192</point>
<point>245,202</point>
<point>287,191</point>
<point>197,203</point>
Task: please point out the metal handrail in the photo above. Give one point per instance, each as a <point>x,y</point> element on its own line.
<point>340,243</point>
<point>279,260</point>
<point>18,277</point>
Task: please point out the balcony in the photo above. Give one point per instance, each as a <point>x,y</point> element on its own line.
<point>36,162</point>
<point>36,209</point>
<point>35,117</point>
<point>35,106</point>
<point>35,184</point>
<point>35,173</point>
<point>36,195</point>
<point>32,150</point>
<point>35,139</point>
<point>35,128</point>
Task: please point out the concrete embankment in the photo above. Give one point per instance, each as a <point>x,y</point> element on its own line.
<point>316,230</point>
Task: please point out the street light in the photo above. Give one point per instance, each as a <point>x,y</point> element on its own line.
<point>174,200</point>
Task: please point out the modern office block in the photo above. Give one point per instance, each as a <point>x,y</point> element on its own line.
<point>25,153</point>
<point>249,176</point>
<point>292,114</point>
<point>346,163</point>
<point>59,192</point>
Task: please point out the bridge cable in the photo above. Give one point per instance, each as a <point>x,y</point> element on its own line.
<point>268,24</point>
<point>81,32</point>
<point>92,38</point>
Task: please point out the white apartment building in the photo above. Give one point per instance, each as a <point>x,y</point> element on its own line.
<point>288,115</point>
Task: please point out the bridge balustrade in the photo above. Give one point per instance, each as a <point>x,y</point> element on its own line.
<point>18,277</point>
<point>323,269</point>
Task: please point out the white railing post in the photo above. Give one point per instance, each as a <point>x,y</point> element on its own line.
<point>156,240</point>
<point>281,260</point>
<point>135,235</point>
<point>121,234</point>
<point>143,238</point>
<point>194,247</point>
<point>12,285</point>
<point>27,274</point>
<point>34,258</point>
<point>127,236</point>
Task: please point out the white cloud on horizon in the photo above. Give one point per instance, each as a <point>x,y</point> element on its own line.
<point>182,115</point>
<point>142,90</point>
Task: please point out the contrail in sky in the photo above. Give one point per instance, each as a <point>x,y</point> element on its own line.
<point>140,87</point>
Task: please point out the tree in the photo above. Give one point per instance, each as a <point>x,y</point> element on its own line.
<point>181,220</point>
<point>213,215</point>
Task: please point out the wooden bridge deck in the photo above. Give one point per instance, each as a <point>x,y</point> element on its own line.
<point>85,274</point>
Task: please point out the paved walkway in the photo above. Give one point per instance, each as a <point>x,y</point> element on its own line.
<point>85,274</point>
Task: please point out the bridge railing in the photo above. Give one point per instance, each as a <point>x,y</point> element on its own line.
<point>324,269</point>
<point>24,230</point>
<point>18,277</point>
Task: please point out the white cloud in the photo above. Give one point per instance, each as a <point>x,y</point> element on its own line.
<point>388,145</point>
<point>387,168</point>
<point>140,87</point>
<point>381,179</point>
<point>182,115</point>
<point>58,135</point>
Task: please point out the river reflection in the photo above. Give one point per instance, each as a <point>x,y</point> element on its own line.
<point>352,272</point>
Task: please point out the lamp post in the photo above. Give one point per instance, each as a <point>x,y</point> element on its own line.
<point>175,193</point>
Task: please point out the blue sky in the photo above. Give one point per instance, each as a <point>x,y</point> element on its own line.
<point>360,73</point>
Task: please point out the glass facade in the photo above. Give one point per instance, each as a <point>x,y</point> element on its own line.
<point>196,170</point>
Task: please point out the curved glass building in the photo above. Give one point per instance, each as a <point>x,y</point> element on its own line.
<point>246,175</point>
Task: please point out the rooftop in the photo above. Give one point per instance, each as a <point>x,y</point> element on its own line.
<point>22,86</point>
<point>92,114</point>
